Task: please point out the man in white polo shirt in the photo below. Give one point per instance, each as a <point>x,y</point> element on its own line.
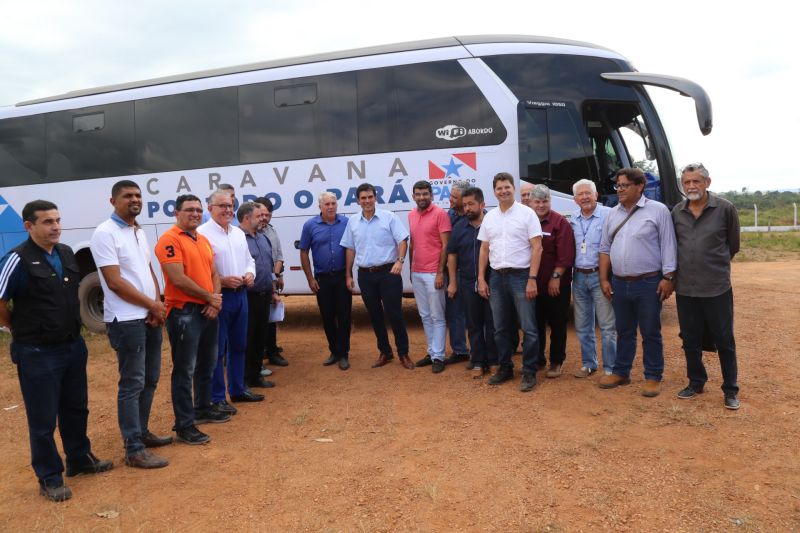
<point>237,271</point>
<point>511,242</point>
<point>133,313</point>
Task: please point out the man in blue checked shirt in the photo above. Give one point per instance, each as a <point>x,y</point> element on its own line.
<point>377,243</point>
<point>322,235</point>
<point>590,303</point>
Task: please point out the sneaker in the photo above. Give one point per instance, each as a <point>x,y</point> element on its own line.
<point>224,407</point>
<point>425,361</point>
<point>90,465</point>
<point>210,416</point>
<point>192,435</point>
<point>502,375</point>
<point>266,372</point>
<point>145,459</point>
<point>554,371</point>
<point>731,403</point>
<point>278,360</point>
<point>688,392</point>
<point>60,493</point>
<point>438,366</point>
<point>528,382</point>
<point>584,372</point>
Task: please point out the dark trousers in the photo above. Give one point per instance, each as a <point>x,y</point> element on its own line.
<point>53,382</point>
<point>232,343</point>
<point>553,311</point>
<point>716,315</point>
<point>138,348</point>
<point>257,324</point>
<point>335,305</point>
<point>509,303</point>
<point>637,304</point>
<point>272,339</point>
<point>193,338</point>
<point>480,325</point>
<point>382,293</point>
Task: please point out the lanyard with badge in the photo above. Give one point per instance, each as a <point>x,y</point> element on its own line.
<point>585,231</point>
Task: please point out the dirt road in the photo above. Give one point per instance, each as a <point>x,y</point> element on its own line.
<point>413,451</point>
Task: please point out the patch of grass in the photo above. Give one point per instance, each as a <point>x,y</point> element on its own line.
<point>783,241</point>
<point>300,419</point>
<point>431,490</point>
<point>675,414</point>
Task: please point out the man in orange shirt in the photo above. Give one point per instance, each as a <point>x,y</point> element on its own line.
<point>193,298</point>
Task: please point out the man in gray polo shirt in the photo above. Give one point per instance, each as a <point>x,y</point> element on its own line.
<point>707,229</point>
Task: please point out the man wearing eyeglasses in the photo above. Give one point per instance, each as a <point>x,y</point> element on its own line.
<point>638,243</point>
<point>707,229</point>
<point>237,272</point>
<point>192,295</point>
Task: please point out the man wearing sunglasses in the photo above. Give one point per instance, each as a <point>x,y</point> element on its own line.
<point>638,243</point>
<point>707,229</point>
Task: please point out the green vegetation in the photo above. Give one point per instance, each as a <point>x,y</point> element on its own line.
<point>783,241</point>
<point>774,208</point>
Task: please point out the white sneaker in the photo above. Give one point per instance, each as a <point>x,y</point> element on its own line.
<point>266,372</point>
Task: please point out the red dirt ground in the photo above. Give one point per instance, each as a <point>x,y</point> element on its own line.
<point>413,451</point>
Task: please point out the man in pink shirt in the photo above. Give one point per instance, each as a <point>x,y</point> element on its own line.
<point>430,229</point>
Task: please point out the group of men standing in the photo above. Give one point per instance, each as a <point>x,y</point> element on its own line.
<point>487,273</point>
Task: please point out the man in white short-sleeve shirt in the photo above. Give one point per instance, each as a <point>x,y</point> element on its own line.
<point>133,314</point>
<point>511,242</point>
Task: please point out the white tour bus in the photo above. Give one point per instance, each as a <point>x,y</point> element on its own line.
<point>545,110</point>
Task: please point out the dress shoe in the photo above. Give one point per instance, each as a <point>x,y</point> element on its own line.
<point>528,382</point>
<point>456,358</point>
<point>60,493</point>
<point>584,372</point>
<point>731,402</point>
<point>610,381</point>
<point>154,441</point>
<point>689,392</point>
<point>146,459</point>
<point>331,360</point>
<point>261,383</point>
<point>407,363</point>
<point>382,360</point>
<point>278,360</point>
<point>247,396</point>
<point>224,407</point>
<point>425,361</point>
<point>438,366</point>
<point>89,464</point>
<point>503,374</point>
<point>651,388</point>
<point>344,364</point>
<point>478,372</point>
<point>554,371</point>
<point>191,435</point>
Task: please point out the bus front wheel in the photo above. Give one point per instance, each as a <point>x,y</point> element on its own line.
<point>90,293</point>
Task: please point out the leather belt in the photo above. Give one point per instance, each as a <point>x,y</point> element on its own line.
<point>331,273</point>
<point>237,289</point>
<point>380,268</point>
<point>637,278</point>
<point>587,270</point>
<point>510,270</point>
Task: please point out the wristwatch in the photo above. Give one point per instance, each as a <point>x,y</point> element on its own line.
<point>671,277</point>
<point>401,259</point>
<point>556,275</point>
<point>532,277</point>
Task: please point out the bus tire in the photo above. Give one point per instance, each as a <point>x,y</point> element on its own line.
<point>90,294</point>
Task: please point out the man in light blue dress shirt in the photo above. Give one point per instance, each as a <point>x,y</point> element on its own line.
<point>376,241</point>
<point>639,243</point>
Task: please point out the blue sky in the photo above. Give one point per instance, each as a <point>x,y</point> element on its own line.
<point>740,55</point>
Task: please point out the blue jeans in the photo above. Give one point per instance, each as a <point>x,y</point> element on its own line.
<point>382,292</point>
<point>636,303</point>
<point>431,307</point>
<point>590,304</point>
<point>480,325</point>
<point>507,298</point>
<point>456,319</point>
<point>138,348</point>
<point>193,338</point>
<point>232,320</point>
<point>52,378</point>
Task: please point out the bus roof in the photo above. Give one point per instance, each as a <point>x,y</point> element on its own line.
<point>442,42</point>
